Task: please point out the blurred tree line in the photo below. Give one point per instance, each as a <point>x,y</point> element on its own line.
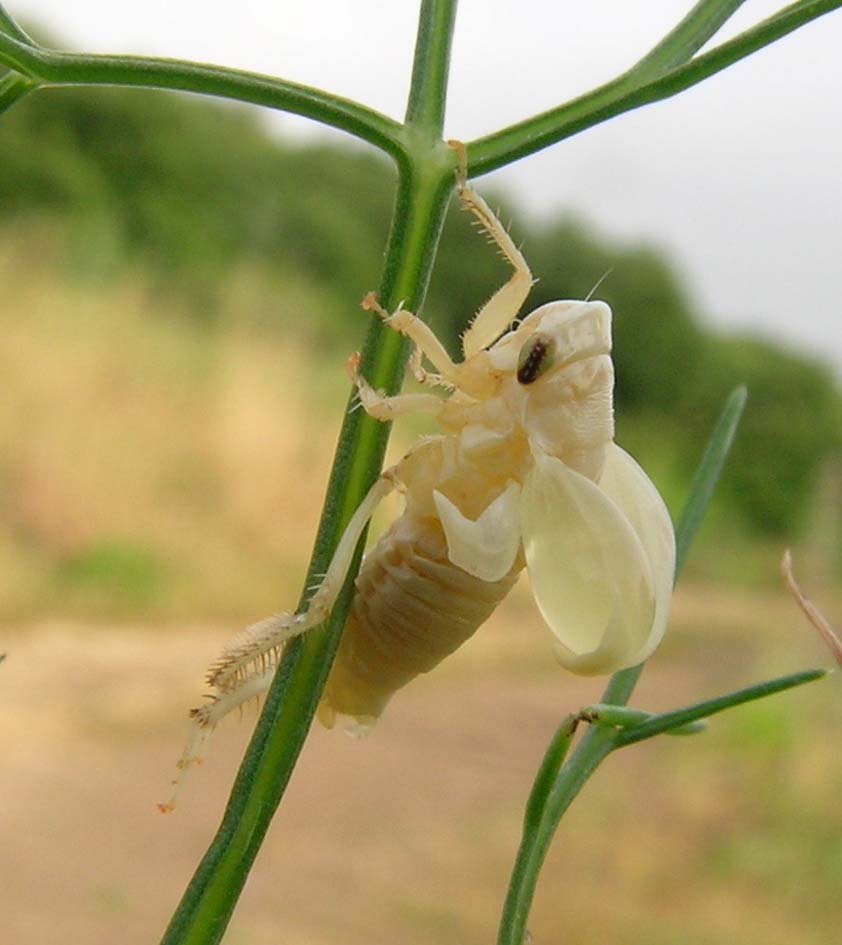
<point>190,190</point>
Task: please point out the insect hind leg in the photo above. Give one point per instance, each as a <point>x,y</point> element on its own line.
<point>246,667</point>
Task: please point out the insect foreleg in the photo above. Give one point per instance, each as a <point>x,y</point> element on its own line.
<point>502,308</point>
<point>383,407</point>
<point>418,332</point>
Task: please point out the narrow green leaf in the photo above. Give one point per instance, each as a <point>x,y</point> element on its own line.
<point>707,473</point>
<point>662,723</point>
<point>546,807</point>
<point>690,728</point>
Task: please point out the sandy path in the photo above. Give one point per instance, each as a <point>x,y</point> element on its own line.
<point>405,837</point>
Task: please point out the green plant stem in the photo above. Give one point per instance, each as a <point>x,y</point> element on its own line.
<point>12,28</point>
<point>548,772</point>
<point>423,193</point>
<point>431,68</point>
<point>665,722</point>
<point>626,93</point>
<point>60,68</point>
<point>13,87</point>
<point>688,37</point>
<point>593,749</point>
<point>555,787</point>
<point>620,716</point>
<point>645,83</point>
<point>599,741</point>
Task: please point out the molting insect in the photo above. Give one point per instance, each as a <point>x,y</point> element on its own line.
<point>524,474</point>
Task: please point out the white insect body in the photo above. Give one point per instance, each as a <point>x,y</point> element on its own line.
<point>525,474</point>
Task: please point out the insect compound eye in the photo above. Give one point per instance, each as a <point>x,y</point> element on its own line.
<point>536,356</point>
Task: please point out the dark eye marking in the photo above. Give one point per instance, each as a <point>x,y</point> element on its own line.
<point>535,358</point>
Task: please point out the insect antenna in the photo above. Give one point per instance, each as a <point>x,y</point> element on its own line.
<point>599,282</point>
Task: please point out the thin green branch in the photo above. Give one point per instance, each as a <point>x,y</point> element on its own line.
<point>209,900</point>
<point>622,94</point>
<point>548,772</point>
<point>600,741</point>
<point>430,68</point>
<point>667,721</point>
<point>540,830</point>
<point>13,87</point>
<point>60,68</point>
<point>10,26</point>
<point>683,42</point>
<point>211,897</point>
<point>621,716</point>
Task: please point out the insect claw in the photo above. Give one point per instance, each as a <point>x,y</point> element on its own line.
<point>461,150</point>
<point>370,303</point>
<point>352,365</point>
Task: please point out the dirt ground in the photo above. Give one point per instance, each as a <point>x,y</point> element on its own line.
<point>408,836</point>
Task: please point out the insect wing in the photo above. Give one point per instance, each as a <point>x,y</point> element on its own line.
<point>633,491</point>
<point>590,574</point>
<point>487,547</point>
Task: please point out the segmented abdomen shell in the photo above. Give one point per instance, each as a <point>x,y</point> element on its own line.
<point>412,608</point>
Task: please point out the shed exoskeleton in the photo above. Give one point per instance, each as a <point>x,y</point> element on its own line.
<point>524,474</point>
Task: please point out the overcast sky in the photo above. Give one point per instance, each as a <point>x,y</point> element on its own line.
<point>740,179</point>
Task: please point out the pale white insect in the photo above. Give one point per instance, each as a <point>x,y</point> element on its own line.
<point>526,474</point>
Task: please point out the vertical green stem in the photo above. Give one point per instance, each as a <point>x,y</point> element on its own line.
<point>599,742</point>
<point>209,900</point>
<point>430,69</point>
<point>596,745</point>
<point>424,185</point>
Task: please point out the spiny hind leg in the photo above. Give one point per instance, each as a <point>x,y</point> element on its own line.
<point>502,308</point>
<point>246,667</point>
<point>381,406</point>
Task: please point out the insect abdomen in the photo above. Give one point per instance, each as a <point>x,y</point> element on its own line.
<point>412,608</point>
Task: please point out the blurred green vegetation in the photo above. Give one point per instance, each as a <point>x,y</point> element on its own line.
<point>188,238</point>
